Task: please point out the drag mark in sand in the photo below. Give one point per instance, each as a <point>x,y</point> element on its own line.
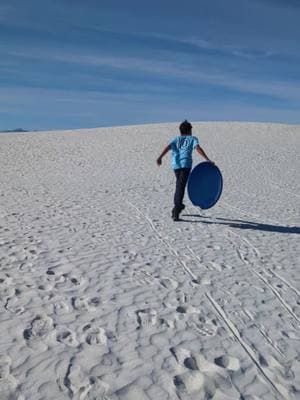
<point>288,284</point>
<point>246,241</point>
<point>283,189</point>
<point>233,329</point>
<point>263,332</point>
<point>262,278</point>
<point>197,258</point>
<point>287,306</point>
<point>269,340</point>
<point>162,240</point>
<point>276,293</point>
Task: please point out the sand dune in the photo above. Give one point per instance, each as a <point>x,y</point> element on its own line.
<point>103,296</point>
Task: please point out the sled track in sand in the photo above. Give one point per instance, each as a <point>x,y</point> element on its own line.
<point>265,372</point>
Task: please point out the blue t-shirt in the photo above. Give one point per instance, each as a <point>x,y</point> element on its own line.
<point>182,148</point>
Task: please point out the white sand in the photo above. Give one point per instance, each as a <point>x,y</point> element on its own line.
<point>103,296</point>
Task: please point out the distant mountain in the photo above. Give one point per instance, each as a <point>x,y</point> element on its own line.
<point>14,130</point>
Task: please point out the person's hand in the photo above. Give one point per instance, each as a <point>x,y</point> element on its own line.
<point>158,161</point>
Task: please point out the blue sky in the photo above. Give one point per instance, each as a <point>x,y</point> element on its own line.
<point>81,64</point>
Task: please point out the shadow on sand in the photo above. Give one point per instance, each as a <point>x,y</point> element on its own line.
<point>237,223</point>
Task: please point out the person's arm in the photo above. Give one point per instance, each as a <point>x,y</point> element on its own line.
<point>165,150</point>
<point>202,153</point>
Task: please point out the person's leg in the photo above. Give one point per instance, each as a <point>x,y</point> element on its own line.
<point>182,176</point>
<point>175,212</point>
<point>177,174</point>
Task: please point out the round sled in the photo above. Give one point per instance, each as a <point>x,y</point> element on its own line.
<point>205,185</point>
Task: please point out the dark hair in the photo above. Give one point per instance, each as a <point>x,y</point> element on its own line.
<point>185,127</point>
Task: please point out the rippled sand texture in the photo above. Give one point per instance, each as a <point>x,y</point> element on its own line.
<point>103,296</point>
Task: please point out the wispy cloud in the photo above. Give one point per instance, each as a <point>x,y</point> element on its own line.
<point>184,71</point>
<point>194,42</point>
<point>74,108</point>
<point>204,44</point>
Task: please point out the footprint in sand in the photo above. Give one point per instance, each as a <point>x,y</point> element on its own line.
<point>5,363</point>
<point>208,330</point>
<point>41,326</point>
<point>83,387</point>
<point>228,362</point>
<point>8,383</point>
<point>6,292</point>
<point>5,280</point>
<point>67,337</point>
<point>45,287</point>
<point>146,278</point>
<point>98,390</point>
<point>204,326</point>
<point>96,336</point>
<point>60,307</point>
<point>242,283</point>
<point>63,267</point>
<point>187,309</point>
<point>167,322</point>
<point>27,266</point>
<point>217,267</point>
<point>40,331</point>
<point>291,334</point>
<point>13,303</point>
<point>84,304</point>
<point>50,272</point>
<point>146,318</point>
<point>201,281</point>
<point>76,382</point>
<point>204,378</point>
<point>192,380</point>
<point>168,283</point>
<point>74,281</point>
<point>65,281</point>
<point>143,277</point>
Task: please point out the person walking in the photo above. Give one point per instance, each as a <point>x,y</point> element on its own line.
<point>182,148</point>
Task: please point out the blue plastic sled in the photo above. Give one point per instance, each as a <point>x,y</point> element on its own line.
<point>205,185</point>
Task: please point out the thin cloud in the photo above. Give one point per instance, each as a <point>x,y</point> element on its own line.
<point>192,41</point>
<point>96,109</point>
<point>187,72</point>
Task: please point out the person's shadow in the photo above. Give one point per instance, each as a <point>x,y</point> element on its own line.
<point>238,223</point>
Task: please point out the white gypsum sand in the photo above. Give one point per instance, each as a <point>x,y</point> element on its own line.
<point>103,296</point>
